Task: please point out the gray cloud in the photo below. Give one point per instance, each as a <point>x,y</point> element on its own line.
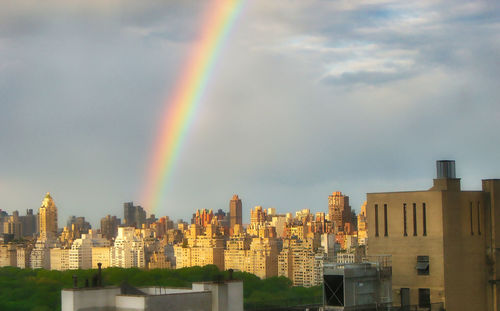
<point>307,97</point>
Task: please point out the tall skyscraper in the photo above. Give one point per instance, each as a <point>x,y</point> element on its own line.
<point>235,213</point>
<point>134,216</point>
<point>339,210</point>
<point>48,218</point>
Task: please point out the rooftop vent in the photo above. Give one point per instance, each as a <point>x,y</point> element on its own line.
<point>445,169</point>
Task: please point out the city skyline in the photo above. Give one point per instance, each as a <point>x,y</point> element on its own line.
<point>307,99</point>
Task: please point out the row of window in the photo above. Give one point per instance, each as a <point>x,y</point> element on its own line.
<point>405,226</point>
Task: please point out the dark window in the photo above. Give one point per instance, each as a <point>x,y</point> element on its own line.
<point>415,219</point>
<point>376,219</point>
<point>424,218</point>
<point>405,299</point>
<point>404,220</point>
<point>424,297</point>
<point>422,265</point>
<point>385,220</point>
<point>478,219</point>
<point>471,222</point>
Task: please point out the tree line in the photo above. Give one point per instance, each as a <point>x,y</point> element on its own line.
<point>40,290</point>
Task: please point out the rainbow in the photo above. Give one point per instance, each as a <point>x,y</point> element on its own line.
<point>181,106</point>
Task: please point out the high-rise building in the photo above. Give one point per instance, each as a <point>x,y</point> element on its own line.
<point>203,217</point>
<point>29,222</point>
<point>442,242</point>
<point>13,226</point>
<point>109,226</point>
<point>200,250</point>
<point>78,225</point>
<point>128,250</point>
<point>298,261</point>
<point>48,218</point>
<point>80,254</point>
<point>235,212</point>
<point>134,216</point>
<point>339,210</point>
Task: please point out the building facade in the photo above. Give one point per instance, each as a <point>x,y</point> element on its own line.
<point>442,242</point>
<point>339,210</point>
<point>48,218</point>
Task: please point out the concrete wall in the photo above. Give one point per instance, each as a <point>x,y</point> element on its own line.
<point>130,303</point>
<point>89,299</point>
<point>235,296</point>
<point>197,301</point>
<point>227,296</point>
<point>465,269</point>
<point>405,249</point>
<point>491,188</point>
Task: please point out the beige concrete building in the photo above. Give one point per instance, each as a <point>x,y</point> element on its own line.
<point>80,254</point>
<point>200,250</point>
<point>258,255</point>
<point>59,259</point>
<point>101,254</point>
<point>40,254</point>
<point>8,255</point>
<point>299,262</point>
<point>23,254</point>
<point>442,242</point>
<point>262,257</point>
<point>236,252</point>
<point>158,260</point>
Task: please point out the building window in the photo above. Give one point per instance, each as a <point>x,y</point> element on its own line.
<point>424,218</point>
<point>385,220</point>
<point>376,219</point>
<point>404,220</point>
<point>471,222</point>
<point>424,297</point>
<point>422,265</point>
<point>414,219</point>
<point>478,219</point>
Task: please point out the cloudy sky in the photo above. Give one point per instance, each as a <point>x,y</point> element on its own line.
<point>307,97</point>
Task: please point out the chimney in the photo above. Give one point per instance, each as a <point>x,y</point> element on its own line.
<point>99,278</point>
<point>446,179</point>
<point>445,169</point>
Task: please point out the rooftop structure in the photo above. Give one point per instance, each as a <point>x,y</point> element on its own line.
<point>358,286</point>
<point>203,296</point>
